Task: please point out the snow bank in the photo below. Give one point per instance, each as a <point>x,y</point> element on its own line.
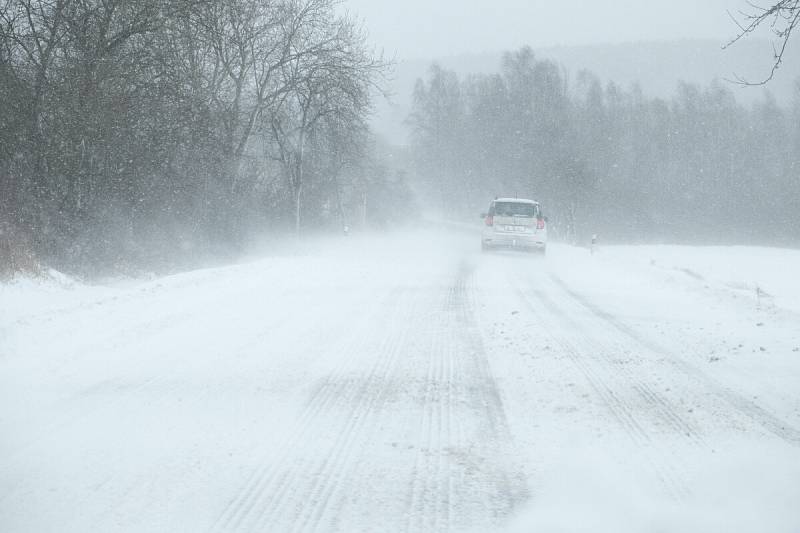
<point>771,274</point>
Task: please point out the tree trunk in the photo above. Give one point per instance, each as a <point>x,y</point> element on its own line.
<point>297,206</point>
<point>364,210</point>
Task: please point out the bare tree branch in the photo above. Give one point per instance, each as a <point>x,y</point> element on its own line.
<point>782,18</point>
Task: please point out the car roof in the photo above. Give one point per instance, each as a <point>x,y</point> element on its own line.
<point>516,200</point>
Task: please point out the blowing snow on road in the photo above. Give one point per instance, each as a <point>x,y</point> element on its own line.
<point>409,383</point>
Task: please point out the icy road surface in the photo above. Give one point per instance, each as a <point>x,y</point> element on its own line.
<point>409,384</point>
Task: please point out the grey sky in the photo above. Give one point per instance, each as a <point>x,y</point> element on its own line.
<point>432,28</point>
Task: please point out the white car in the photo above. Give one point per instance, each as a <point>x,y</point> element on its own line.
<point>514,223</point>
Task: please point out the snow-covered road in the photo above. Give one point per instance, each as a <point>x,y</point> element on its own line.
<point>409,383</point>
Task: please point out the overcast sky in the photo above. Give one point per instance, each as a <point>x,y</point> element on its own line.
<point>433,28</point>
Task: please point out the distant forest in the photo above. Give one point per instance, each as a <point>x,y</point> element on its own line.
<point>609,160</point>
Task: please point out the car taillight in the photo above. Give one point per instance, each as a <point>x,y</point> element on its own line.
<point>540,224</point>
<point>489,220</point>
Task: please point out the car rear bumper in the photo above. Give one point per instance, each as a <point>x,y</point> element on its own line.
<point>511,241</point>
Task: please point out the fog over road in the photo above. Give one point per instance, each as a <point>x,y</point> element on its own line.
<point>405,383</point>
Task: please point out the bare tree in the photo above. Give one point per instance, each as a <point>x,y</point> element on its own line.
<point>782,18</point>
<point>330,82</point>
<point>32,31</point>
<point>128,124</point>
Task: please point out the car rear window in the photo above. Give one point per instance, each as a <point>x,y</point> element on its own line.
<point>514,209</point>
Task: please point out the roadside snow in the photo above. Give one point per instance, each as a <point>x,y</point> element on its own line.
<point>701,304</point>
<point>755,273</point>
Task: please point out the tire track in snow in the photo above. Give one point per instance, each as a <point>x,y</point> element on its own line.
<point>757,414</point>
<point>432,463</point>
<point>513,489</point>
<point>458,481</point>
<point>600,373</point>
<point>456,476</point>
<point>374,394</point>
<point>664,410</point>
<point>323,398</point>
<point>277,485</point>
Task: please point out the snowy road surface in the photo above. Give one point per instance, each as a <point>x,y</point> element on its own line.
<point>409,384</point>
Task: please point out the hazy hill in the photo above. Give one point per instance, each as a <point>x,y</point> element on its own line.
<point>657,66</point>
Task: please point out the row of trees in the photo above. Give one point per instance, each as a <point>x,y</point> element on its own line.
<point>131,128</point>
<point>609,160</point>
